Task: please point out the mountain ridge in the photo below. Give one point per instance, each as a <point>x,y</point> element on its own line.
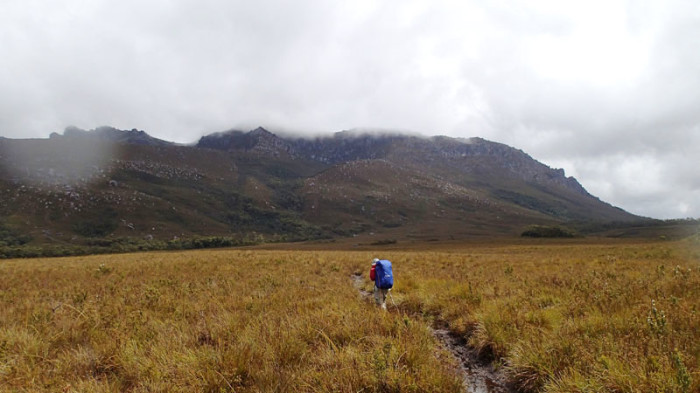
<point>335,149</point>
<point>115,183</point>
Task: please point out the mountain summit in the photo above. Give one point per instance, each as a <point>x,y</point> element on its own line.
<point>134,136</point>
<point>113,183</point>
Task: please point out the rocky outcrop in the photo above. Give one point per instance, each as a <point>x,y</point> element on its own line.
<point>258,140</point>
<point>134,136</point>
<point>462,155</point>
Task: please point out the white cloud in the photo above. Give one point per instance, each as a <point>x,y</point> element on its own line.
<point>606,88</point>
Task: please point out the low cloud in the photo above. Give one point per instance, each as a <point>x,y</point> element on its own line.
<point>607,90</point>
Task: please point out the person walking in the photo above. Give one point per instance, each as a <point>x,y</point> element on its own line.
<point>382,275</point>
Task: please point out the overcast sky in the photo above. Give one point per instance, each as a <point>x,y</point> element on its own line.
<point>608,90</point>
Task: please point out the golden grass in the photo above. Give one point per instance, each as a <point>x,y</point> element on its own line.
<point>562,317</point>
<point>209,321</point>
<point>574,318</point>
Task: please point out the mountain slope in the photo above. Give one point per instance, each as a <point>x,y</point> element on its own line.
<point>506,174</point>
<point>109,183</point>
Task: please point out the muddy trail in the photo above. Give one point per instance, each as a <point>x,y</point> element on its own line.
<point>478,376</point>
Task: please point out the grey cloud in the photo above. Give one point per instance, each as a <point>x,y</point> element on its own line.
<point>508,71</point>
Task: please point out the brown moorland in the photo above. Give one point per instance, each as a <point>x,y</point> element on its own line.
<point>576,316</point>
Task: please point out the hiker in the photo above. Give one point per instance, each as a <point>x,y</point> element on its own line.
<point>383,278</point>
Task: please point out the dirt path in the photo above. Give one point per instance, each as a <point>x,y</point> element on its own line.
<point>477,376</point>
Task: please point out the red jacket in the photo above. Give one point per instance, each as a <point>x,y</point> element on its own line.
<point>372,275</point>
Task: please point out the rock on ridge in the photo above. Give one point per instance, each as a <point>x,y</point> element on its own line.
<point>105,133</point>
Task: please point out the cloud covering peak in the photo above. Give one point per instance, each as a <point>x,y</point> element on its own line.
<point>608,90</point>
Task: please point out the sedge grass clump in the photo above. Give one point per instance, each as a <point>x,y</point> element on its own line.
<point>206,321</point>
<point>561,317</point>
<point>569,317</point>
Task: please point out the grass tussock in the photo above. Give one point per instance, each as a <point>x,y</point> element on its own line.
<point>572,318</point>
<point>558,318</point>
<point>209,321</point>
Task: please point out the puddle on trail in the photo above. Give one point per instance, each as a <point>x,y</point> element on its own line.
<point>477,376</point>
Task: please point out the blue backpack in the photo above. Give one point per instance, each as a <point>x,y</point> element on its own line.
<point>384,278</point>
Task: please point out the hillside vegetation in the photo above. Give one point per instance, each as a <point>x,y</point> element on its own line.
<point>561,316</point>
<point>108,186</point>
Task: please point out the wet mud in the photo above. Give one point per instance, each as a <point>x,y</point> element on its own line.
<point>478,376</point>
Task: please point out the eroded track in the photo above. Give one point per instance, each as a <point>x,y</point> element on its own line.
<point>477,376</point>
